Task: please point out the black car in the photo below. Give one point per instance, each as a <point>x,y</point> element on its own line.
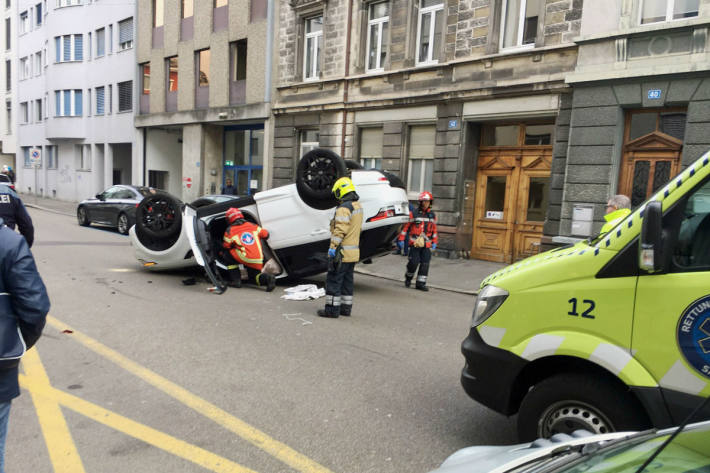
<point>115,207</point>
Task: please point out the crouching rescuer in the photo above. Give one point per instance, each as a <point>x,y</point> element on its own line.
<point>243,240</point>
<point>344,250</point>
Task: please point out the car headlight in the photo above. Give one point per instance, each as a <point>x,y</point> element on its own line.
<point>487,302</point>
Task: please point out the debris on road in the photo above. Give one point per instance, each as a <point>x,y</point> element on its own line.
<point>303,292</point>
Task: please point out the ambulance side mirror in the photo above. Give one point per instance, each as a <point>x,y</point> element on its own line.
<point>651,245</point>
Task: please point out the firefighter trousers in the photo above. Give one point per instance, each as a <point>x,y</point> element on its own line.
<point>418,257</point>
<point>339,289</point>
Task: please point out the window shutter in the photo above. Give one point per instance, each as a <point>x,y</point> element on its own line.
<point>67,103</point>
<point>99,100</point>
<point>67,48</point>
<point>371,143</point>
<point>78,103</point>
<point>78,47</point>
<point>100,42</point>
<point>58,102</point>
<point>421,142</point>
<point>125,96</point>
<point>125,31</point>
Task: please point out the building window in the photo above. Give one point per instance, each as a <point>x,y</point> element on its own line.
<point>68,103</point>
<point>38,110</point>
<point>8,117</point>
<point>519,22</point>
<point>84,155</point>
<point>24,68</point>
<point>220,3</point>
<point>8,75</point>
<point>8,34</point>
<point>656,11</point>
<point>187,8</point>
<point>125,34</point>
<point>309,139</point>
<point>429,31</point>
<point>203,68</point>
<point>69,48</point>
<point>50,154</point>
<point>258,10</point>
<point>26,156</point>
<point>38,14</point>
<point>100,42</point>
<point>24,113</point>
<point>158,13</point>
<point>237,71</point>
<point>377,35</point>
<point>145,68</point>
<point>421,158</point>
<point>172,74</point>
<point>24,22</point>
<point>125,96</point>
<point>38,63</point>
<point>100,100</point>
<point>109,38</point>
<point>371,148</point>
<point>68,3</point>
<point>110,98</point>
<point>313,43</point>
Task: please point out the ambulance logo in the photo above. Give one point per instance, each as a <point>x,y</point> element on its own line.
<point>247,239</point>
<point>694,335</point>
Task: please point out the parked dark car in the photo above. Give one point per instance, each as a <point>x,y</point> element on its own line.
<point>5,179</point>
<point>212,199</point>
<point>115,207</point>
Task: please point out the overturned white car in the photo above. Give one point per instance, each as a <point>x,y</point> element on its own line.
<point>169,234</point>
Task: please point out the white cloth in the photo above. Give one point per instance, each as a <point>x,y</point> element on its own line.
<point>303,292</point>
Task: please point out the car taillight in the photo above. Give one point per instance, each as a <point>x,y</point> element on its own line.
<point>137,204</point>
<point>383,213</point>
<point>383,179</point>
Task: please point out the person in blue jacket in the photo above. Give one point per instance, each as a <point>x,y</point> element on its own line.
<point>13,212</point>
<point>23,310</point>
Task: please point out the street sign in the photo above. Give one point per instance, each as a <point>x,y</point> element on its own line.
<point>654,94</point>
<point>36,157</point>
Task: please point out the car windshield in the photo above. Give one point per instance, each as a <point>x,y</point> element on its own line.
<point>144,191</point>
<point>688,452</point>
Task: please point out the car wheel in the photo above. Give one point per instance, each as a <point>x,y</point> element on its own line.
<point>123,224</point>
<point>159,216</point>
<point>568,402</point>
<point>82,217</point>
<point>317,171</point>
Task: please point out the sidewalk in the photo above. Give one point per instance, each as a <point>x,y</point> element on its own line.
<point>458,275</point>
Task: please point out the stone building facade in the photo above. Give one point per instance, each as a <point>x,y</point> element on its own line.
<point>466,99</point>
<point>639,111</point>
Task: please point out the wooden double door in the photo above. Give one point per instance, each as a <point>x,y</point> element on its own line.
<point>512,190</point>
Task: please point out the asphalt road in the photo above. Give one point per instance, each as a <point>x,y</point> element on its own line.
<point>137,372</point>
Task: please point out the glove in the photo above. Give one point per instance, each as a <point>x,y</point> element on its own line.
<point>331,253</point>
<point>433,246</point>
<point>400,245</point>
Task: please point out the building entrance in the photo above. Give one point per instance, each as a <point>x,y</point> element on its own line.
<point>243,160</point>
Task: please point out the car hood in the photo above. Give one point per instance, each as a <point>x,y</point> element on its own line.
<point>565,263</point>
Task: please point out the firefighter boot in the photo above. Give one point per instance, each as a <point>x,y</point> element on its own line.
<point>330,312</point>
<point>408,279</point>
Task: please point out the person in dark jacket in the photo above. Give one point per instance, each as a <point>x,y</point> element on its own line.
<point>23,305</point>
<point>228,188</point>
<point>13,212</point>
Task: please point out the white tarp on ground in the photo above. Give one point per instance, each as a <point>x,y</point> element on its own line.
<point>303,292</point>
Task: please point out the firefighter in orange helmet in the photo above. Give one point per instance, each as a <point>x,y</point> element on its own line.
<point>243,240</point>
<point>421,231</point>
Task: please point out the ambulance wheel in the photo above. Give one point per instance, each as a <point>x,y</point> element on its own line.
<point>568,402</point>
<point>316,173</point>
<point>159,216</point>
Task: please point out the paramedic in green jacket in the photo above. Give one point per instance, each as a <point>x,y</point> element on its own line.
<point>617,209</point>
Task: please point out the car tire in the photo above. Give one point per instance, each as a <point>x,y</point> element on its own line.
<point>350,164</point>
<point>81,217</point>
<point>568,402</point>
<point>159,216</point>
<point>316,173</point>
<point>122,224</point>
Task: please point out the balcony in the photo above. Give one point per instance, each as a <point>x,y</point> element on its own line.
<point>58,128</point>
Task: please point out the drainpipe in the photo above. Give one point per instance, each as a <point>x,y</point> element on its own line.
<point>269,48</point>
<point>145,153</point>
<point>347,74</point>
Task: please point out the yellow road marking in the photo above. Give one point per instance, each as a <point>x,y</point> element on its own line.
<point>127,426</point>
<point>62,450</point>
<point>281,451</point>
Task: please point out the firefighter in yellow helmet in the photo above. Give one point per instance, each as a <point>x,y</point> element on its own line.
<point>344,250</point>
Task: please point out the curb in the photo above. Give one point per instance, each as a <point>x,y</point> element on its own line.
<point>433,286</point>
<point>39,207</point>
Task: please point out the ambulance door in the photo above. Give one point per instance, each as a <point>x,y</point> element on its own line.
<point>671,336</point>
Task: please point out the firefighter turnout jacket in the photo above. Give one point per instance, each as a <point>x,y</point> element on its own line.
<point>421,222</point>
<point>346,226</point>
<point>243,240</point>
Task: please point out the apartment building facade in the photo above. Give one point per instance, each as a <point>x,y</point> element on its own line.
<point>8,84</point>
<point>640,109</point>
<point>205,90</point>
<point>467,99</point>
<point>74,96</point>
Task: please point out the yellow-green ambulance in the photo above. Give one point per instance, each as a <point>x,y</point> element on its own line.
<point>606,335</point>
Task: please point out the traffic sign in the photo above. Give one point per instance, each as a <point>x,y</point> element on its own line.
<point>36,157</point>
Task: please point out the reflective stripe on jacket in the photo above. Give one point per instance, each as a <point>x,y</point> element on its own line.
<point>420,223</point>
<point>345,229</point>
<point>244,244</point>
